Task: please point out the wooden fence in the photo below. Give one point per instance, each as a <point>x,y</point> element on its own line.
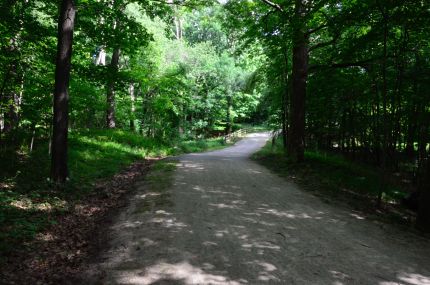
<point>234,136</point>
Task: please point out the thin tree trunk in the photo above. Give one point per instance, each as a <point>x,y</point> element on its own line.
<point>178,33</point>
<point>66,23</point>
<point>33,137</point>
<point>133,108</point>
<point>284,121</point>
<point>413,113</point>
<point>110,110</point>
<point>181,29</point>
<point>101,57</point>
<point>385,138</point>
<point>285,102</point>
<point>10,92</point>
<point>228,118</point>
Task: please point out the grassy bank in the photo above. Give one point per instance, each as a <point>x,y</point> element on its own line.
<point>29,202</point>
<point>198,145</point>
<point>335,179</point>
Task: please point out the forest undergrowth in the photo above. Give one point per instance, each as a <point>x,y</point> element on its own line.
<point>30,203</point>
<point>339,180</point>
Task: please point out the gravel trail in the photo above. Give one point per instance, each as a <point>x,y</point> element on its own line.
<point>228,220</point>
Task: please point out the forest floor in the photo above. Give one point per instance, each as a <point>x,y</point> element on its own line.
<point>220,218</point>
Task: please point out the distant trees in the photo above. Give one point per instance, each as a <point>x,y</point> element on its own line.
<point>159,68</point>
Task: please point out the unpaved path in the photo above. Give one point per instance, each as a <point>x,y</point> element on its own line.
<point>228,220</point>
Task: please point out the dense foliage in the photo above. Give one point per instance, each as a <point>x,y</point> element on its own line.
<point>164,82</point>
<point>163,74</point>
<point>346,76</point>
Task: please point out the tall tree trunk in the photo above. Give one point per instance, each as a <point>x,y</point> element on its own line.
<point>423,219</point>
<point>228,128</point>
<point>385,121</point>
<point>178,27</point>
<point>61,96</point>
<point>424,171</point>
<point>376,130</point>
<point>110,110</point>
<point>299,76</point>
<point>413,114</point>
<point>133,108</point>
<point>11,90</point>
<point>284,120</point>
<point>285,101</point>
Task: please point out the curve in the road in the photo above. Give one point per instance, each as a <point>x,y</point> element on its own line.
<point>232,221</point>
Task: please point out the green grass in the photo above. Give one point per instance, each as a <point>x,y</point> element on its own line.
<point>101,153</point>
<point>331,176</point>
<point>29,202</point>
<point>200,145</point>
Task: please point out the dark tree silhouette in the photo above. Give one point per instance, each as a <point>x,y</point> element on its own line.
<point>61,96</point>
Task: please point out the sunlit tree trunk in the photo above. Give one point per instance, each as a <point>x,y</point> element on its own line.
<point>178,26</point>
<point>133,107</point>
<point>101,57</point>
<point>61,96</point>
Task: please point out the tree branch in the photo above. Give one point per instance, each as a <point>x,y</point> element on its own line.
<point>274,5</point>
<point>323,44</point>
<point>311,31</point>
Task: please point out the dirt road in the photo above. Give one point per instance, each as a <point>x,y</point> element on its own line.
<point>228,220</point>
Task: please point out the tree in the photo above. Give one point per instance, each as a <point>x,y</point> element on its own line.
<point>296,145</point>
<point>110,110</point>
<point>66,24</point>
<point>423,220</point>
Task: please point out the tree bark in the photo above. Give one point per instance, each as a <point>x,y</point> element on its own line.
<point>11,90</point>
<point>66,23</point>
<point>284,102</point>
<point>133,108</point>
<point>299,78</point>
<point>110,110</point>
<point>385,121</point>
<point>228,128</point>
<point>423,219</point>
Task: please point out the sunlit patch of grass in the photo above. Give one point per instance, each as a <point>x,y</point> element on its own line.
<point>200,145</point>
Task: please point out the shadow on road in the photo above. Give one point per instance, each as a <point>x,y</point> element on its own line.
<point>230,221</point>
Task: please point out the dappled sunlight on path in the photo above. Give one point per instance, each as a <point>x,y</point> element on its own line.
<point>230,221</point>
